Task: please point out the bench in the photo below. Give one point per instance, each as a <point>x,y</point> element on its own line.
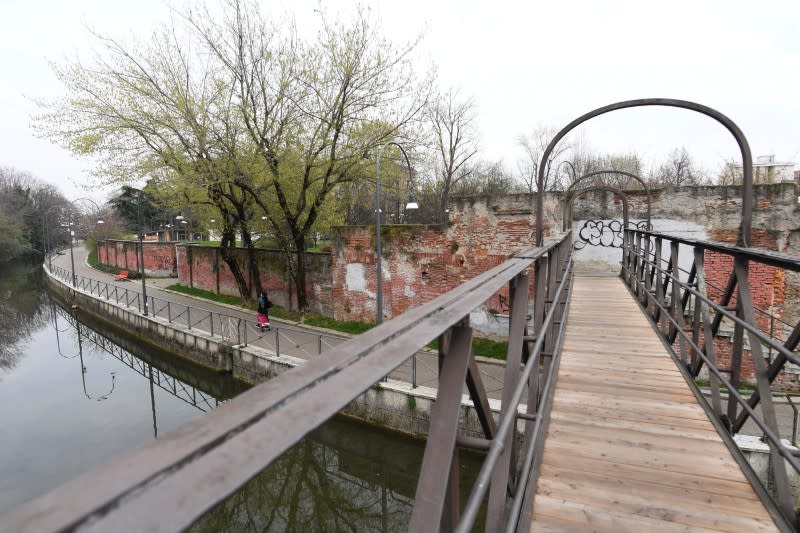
<point>122,276</point>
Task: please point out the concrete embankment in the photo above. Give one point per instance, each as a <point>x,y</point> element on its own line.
<point>392,404</point>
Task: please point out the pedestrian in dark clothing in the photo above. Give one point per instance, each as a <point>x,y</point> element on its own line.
<point>263,311</point>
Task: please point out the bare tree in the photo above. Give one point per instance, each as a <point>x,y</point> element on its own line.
<point>534,145</point>
<point>488,177</point>
<point>679,169</point>
<point>455,138</point>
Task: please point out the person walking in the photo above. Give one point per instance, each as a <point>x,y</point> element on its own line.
<point>263,311</point>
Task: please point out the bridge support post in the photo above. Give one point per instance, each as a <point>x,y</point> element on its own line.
<point>433,489</point>
<point>503,477</point>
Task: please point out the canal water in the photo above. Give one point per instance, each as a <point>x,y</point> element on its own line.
<point>75,395</point>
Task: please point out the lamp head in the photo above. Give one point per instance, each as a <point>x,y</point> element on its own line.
<point>412,202</point>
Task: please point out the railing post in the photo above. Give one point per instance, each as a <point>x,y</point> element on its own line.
<point>319,344</point>
<point>677,311</point>
<point>708,334</point>
<point>277,342</point>
<point>211,321</point>
<point>169,313</point>
<point>744,305</point>
<point>636,259</point>
<point>188,317</point>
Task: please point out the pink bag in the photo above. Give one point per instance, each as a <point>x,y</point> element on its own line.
<point>263,322</point>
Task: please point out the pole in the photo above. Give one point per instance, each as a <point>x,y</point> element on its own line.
<point>141,252</point>
<point>378,266</point>
<point>71,255</point>
<point>378,260</point>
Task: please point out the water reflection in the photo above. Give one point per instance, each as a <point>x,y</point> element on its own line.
<point>342,477</point>
<point>21,310</point>
<point>72,398</point>
<point>188,392</point>
<point>56,312</point>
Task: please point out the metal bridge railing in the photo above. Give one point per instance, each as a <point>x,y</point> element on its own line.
<point>689,320</point>
<point>170,483</point>
<point>280,340</point>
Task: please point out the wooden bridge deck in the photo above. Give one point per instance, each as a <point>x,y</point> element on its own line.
<point>628,447</point>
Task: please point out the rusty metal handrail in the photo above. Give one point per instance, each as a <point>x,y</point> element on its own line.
<point>168,484</point>
<point>649,280</point>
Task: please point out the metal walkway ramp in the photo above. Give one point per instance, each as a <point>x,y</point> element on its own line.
<point>628,447</point>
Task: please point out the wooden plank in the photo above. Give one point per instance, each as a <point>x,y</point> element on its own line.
<point>628,448</point>
<point>587,421</point>
<point>651,490</point>
<point>688,482</point>
<point>656,505</point>
<point>591,518</point>
<point>636,416</point>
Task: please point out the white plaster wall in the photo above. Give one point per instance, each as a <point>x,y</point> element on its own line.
<point>607,259</point>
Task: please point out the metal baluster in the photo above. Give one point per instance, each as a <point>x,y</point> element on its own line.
<point>277,342</point>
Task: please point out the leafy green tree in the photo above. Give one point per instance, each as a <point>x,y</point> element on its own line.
<point>26,204</point>
<point>229,111</point>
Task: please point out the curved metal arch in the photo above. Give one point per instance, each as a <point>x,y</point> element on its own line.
<point>747,159</point>
<point>567,217</point>
<point>618,192</point>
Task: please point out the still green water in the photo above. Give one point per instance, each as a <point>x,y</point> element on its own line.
<point>74,395</point>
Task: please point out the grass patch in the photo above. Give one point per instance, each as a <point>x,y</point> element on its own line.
<point>92,258</point>
<point>483,347</point>
<point>208,295</point>
<point>743,387</point>
<point>351,326</point>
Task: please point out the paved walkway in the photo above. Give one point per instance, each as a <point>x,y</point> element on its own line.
<point>286,338</point>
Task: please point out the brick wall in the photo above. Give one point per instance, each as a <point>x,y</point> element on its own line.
<point>768,288</point>
<point>159,257</point>
<point>203,267</point>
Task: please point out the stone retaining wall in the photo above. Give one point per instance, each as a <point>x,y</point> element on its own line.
<point>394,405</point>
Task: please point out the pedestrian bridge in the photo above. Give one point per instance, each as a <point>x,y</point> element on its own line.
<point>615,434</point>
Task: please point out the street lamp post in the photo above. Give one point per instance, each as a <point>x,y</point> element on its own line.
<point>69,206</point>
<point>412,204</point>
<point>140,229</point>
<point>71,236</point>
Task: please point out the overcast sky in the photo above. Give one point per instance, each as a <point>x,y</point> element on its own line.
<point>525,64</point>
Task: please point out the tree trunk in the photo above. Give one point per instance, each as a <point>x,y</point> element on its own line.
<point>300,273</point>
<point>228,237</point>
<point>255,273</point>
